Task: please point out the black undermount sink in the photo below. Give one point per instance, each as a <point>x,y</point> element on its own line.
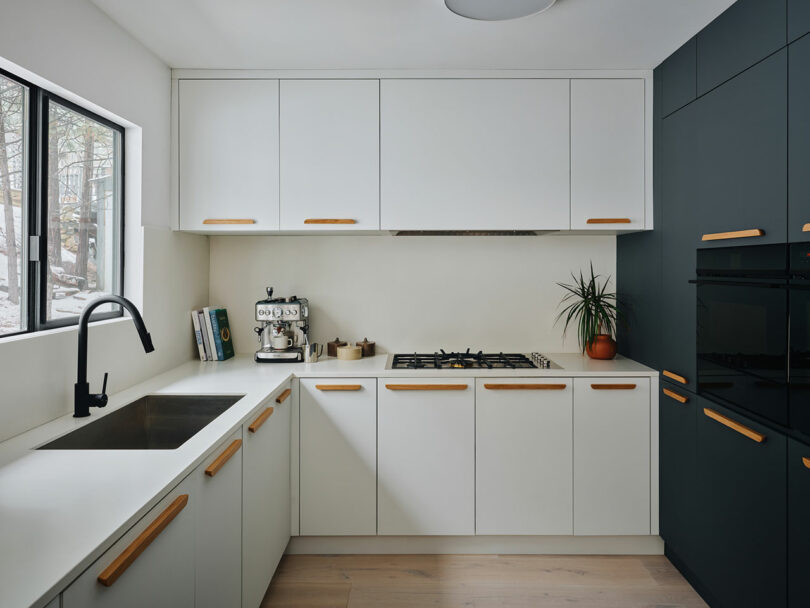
<point>153,422</point>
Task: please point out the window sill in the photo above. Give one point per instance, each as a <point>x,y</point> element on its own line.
<point>45,333</point>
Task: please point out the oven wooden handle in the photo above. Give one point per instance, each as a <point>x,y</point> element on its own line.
<point>737,234</point>
<point>339,387</point>
<point>676,396</point>
<point>224,222</point>
<point>675,377</point>
<point>426,387</point>
<point>734,425</point>
<point>525,387</point>
<point>608,220</point>
<point>224,457</point>
<point>806,461</point>
<point>317,220</point>
<point>283,396</point>
<point>119,565</point>
<point>260,420</point>
<point>613,387</point>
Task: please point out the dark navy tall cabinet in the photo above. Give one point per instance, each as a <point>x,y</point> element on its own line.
<point>731,152</point>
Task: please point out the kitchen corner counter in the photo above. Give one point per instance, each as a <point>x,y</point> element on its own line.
<point>61,509</point>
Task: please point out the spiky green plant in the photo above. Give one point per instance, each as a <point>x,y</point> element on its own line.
<point>591,306</point>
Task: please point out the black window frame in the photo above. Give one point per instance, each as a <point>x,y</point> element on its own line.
<point>36,226</point>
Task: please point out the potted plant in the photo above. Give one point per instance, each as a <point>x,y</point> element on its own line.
<point>593,308</point>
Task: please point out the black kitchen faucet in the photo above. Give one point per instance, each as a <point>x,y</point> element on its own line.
<point>83,399</point>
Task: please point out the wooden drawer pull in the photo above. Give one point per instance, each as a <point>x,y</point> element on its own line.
<point>145,538</point>
<point>675,377</point>
<point>283,396</point>
<point>737,234</point>
<point>806,228</point>
<point>256,424</point>
<point>806,461</point>
<point>426,387</point>
<point>675,396</point>
<point>329,221</point>
<point>613,387</point>
<point>339,387</point>
<point>525,387</point>
<point>220,460</point>
<point>608,220</point>
<point>221,222</point>
<point>733,425</point>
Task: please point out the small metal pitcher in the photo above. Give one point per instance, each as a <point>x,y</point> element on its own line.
<point>312,351</point>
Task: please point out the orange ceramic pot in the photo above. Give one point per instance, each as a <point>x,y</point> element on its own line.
<point>603,347</point>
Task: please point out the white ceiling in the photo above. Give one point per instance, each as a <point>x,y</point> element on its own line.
<point>404,34</point>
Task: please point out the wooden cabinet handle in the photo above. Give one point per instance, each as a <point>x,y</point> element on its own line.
<point>525,387</point>
<point>328,221</point>
<point>283,396</point>
<point>339,387</point>
<point>226,455</point>
<point>136,547</point>
<point>806,228</point>
<point>613,387</point>
<point>426,387</point>
<point>806,461</point>
<point>675,396</point>
<point>256,424</point>
<point>608,220</point>
<point>737,234</point>
<point>733,425</point>
<point>675,377</point>
<point>228,221</point>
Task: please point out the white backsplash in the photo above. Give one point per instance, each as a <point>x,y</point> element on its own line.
<point>410,293</point>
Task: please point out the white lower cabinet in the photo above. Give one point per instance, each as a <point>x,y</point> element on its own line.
<point>524,456</point>
<point>611,456</point>
<point>338,456</point>
<point>136,572</point>
<point>217,487</point>
<point>265,495</point>
<point>426,456</point>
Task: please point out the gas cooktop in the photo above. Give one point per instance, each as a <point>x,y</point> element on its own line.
<point>470,360</point>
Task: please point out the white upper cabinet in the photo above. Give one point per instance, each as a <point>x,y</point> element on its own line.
<point>607,154</point>
<point>474,154</point>
<point>330,154</point>
<point>228,158</point>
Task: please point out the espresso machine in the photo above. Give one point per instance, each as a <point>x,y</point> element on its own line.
<point>284,329</point>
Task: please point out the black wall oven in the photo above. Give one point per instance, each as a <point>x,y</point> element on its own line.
<point>743,328</point>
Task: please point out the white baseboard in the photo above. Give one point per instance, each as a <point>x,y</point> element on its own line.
<point>513,545</point>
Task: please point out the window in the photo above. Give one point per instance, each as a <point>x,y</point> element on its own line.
<point>61,193</point>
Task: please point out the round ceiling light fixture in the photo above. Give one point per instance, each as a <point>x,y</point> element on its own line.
<point>497,10</point>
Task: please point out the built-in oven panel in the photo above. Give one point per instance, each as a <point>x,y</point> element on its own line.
<point>799,397</point>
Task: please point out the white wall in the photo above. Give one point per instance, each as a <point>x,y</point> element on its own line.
<point>410,293</point>
<point>84,55</point>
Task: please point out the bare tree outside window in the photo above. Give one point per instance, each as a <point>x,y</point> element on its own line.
<point>13,199</point>
<point>83,203</point>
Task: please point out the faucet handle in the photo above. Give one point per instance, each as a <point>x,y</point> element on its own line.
<point>104,385</point>
<point>100,399</point>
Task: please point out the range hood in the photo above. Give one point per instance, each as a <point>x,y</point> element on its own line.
<point>470,232</point>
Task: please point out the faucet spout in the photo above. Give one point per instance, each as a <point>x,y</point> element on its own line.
<point>83,399</point>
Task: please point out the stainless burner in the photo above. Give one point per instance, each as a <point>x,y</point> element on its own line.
<point>470,360</point>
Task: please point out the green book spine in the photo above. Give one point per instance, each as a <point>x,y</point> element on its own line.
<point>225,333</point>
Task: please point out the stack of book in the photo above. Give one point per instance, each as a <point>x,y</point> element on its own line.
<point>213,333</point>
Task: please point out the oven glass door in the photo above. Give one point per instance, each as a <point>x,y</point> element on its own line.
<point>742,344</point>
<point>799,398</point>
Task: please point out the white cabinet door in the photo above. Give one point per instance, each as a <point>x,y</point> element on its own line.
<point>228,155</point>
<point>330,154</point>
<point>217,484</point>
<point>338,456</point>
<point>162,575</point>
<point>265,495</point>
<point>607,154</point>
<point>611,456</point>
<point>426,456</point>
<point>524,456</point>
<point>474,154</point>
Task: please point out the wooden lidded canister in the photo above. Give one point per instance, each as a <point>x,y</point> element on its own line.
<point>331,347</point>
<point>367,347</point>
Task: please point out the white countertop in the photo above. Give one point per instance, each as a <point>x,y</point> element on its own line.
<point>61,509</point>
